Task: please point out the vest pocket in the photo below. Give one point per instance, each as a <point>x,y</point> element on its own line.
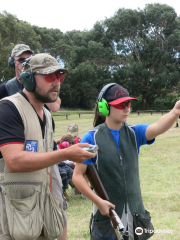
<point>53,218</point>
<point>143,228</point>
<point>102,229</point>
<point>24,217</point>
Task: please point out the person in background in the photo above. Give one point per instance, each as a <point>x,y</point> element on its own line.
<point>17,56</point>
<point>177,125</point>
<point>73,130</point>
<point>66,167</point>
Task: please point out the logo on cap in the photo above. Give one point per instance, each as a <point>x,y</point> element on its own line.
<point>121,92</point>
<point>48,61</point>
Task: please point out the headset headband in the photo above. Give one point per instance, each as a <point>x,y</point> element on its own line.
<point>104,89</point>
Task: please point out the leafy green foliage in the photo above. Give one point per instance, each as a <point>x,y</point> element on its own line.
<point>82,86</point>
<point>166,103</point>
<point>14,31</point>
<point>148,43</point>
<point>138,49</point>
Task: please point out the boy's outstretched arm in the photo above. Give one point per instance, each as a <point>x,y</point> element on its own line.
<point>164,123</point>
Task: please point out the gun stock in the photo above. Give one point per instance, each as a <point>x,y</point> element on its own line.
<point>96,183</point>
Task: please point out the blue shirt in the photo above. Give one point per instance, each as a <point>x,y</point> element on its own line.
<point>139,130</point>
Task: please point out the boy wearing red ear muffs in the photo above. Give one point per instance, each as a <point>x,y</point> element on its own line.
<point>65,167</point>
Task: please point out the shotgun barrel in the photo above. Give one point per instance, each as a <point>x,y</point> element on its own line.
<point>97,185</point>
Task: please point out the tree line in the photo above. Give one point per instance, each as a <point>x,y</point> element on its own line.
<point>138,49</point>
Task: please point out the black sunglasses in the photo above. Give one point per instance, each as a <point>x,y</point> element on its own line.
<point>21,60</point>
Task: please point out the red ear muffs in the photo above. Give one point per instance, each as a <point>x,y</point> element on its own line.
<point>65,144</point>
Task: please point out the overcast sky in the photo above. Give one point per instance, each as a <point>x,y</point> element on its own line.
<point>68,15</point>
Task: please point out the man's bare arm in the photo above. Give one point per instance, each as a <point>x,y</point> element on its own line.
<point>54,106</point>
<point>18,160</point>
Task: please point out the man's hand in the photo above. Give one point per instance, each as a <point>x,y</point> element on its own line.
<point>76,153</point>
<point>54,106</point>
<point>177,108</point>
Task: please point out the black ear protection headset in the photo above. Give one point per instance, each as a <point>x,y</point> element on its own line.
<point>11,62</point>
<point>103,105</point>
<point>27,78</point>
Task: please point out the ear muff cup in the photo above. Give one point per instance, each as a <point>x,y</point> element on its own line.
<point>103,107</point>
<point>28,81</point>
<point>11,62</point>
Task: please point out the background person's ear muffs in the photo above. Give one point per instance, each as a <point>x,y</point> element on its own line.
<point>28,81</point>
<point>103,105</point>
<point>11,62</point>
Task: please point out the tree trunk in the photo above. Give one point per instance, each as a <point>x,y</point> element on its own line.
<point>144,100</point>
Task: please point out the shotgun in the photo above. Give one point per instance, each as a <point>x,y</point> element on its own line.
<point>96,183</point>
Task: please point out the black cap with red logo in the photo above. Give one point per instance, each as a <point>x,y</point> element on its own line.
<point>117,94</point>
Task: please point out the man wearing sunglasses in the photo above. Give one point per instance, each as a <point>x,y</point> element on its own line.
<point>26,144</point>
<point>17,57</point>
<point>18,54</point>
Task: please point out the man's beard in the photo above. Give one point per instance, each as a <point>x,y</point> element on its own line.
<point>45,98</point>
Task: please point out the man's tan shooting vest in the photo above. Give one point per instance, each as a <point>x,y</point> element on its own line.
<point>26,205</point>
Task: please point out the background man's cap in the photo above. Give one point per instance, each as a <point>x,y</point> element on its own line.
<point>43,63</point>
<point>19,49</point>
<point>73,129</point>
<point>117,94</point>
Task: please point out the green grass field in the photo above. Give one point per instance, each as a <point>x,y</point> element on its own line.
<point>159,175</point>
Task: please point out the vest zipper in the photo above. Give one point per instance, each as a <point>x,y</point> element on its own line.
<point>126,200</point>
<point>125,186</point>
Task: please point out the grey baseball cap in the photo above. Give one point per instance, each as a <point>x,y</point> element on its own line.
<point>73,129</point>
<point>43,63</point>
<point>19,49</point>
